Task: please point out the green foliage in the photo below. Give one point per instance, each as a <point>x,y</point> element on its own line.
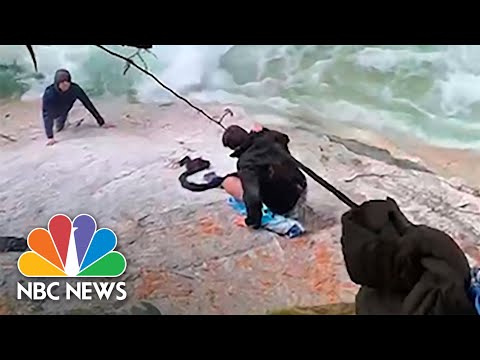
<point>14,80</point>
<point>105,76</point>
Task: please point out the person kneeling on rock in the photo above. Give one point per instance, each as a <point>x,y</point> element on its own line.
<point>58,100</point>
<point>268,190</point>
<point>266,182</point>
<point>405,269</point>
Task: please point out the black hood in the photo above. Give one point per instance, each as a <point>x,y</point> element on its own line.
<point>242,148</point>
<point>61,76</point>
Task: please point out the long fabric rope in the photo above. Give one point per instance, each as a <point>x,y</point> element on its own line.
<point>341,196</point>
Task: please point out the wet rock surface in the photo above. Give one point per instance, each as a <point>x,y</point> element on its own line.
<point>184,254</point>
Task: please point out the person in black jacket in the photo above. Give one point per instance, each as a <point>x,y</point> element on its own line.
<point>402,268</point>
<point>264,174</point>
<point>58,100</point>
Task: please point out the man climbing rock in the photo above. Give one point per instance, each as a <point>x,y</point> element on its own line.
<point>58,100</point>
<point>404,268</point>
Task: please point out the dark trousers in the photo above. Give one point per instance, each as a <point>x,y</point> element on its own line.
<point>60,122</point>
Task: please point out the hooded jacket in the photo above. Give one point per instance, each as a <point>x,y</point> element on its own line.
<point>267,176</point>
<point>403,268</point>
<point>56,104</point>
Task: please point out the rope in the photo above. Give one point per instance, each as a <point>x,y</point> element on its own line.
<point>341,196</point>
<point>148,73</point>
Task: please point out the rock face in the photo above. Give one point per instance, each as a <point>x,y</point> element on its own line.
<point>184,255</point>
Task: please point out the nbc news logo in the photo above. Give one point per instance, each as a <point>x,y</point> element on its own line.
<point>72,250</point>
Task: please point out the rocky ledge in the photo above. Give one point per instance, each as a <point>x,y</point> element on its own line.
<point>184,255</point>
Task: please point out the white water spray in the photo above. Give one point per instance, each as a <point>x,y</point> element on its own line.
<point>429,91</point>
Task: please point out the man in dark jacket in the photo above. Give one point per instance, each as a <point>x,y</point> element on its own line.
<point>265,175</point>
<point>403,268</point>
<point>58,100</point>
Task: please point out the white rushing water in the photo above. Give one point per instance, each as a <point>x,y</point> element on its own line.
<point>428,91</point>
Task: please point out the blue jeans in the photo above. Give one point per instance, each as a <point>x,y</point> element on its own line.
<point>279,224</point>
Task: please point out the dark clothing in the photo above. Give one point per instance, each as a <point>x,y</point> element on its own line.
<point>403,268</point>
<point>60,122</point>
<point>62,75</point>
<point>194,166</point>
<point>57,104</point>
<point>12,244</point>
<point>267,176</point>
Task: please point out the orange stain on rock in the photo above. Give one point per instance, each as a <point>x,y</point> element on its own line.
<point>5,308</point>
<point>170,284</point>
<point>149,283</point>
<point>324,277</point>
<point>266,283</point>
<point>209,227</point>
<point>296,251</point>
<point>184,231</point>
<point>299,242</point>
<point>244,262</point>
<point>296,270</point>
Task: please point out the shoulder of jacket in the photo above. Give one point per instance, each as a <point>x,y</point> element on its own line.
<point>49,89</point>
<point>49,92</point>
<point>249,158</point>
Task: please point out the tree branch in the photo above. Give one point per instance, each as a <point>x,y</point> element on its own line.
<point>136,54</point>
<point>132,63</point>
<point>141,46</point>
<point>35,65</point>
<point>32,55</point>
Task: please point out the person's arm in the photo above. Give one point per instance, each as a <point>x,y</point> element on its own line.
<point>47,107</point>
<point>85,100</point>
<point>251,197</point>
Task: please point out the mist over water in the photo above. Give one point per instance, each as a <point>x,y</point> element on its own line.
<point>428,91</point>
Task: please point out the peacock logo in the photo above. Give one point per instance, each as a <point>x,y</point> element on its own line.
<point>72,249</point>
